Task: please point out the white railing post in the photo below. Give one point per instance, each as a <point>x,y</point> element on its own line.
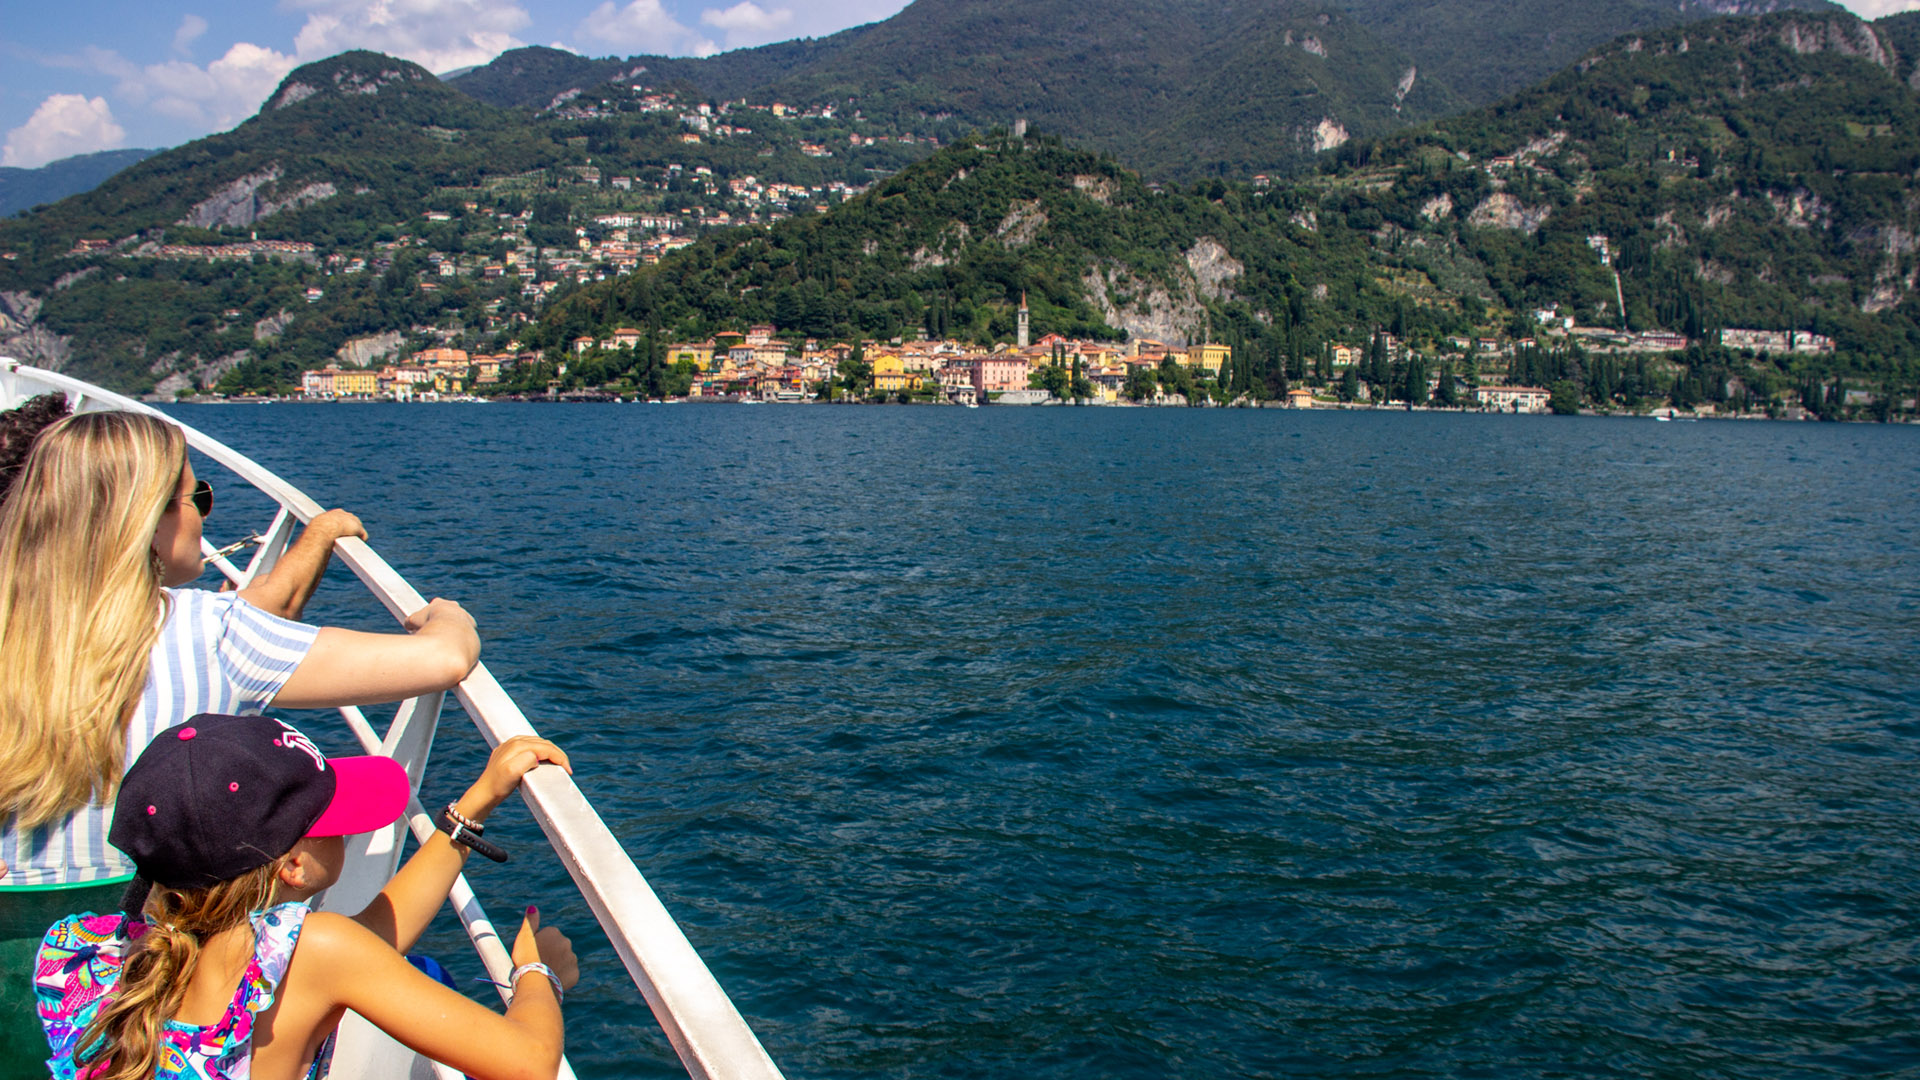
<point>273,544</point>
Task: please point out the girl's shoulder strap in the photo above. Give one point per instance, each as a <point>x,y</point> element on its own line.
<point>223,1049</point>
<point>275,932</point>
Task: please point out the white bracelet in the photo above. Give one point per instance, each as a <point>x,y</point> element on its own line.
<point>513,980</point>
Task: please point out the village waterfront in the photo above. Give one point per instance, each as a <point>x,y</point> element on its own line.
<point>1146,743</point>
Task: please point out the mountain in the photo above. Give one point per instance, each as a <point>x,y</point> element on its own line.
<point>1744,172</point>
<point>1487,49</point>
<point>343,148</point>
<point>23,188</point>
<point>1749,173</point>
<point>366,202</point>
<point>1176,89</point>
<point>533,76</point>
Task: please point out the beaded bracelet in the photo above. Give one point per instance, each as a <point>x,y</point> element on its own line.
<point>472,826</point>
<point>513,980</point>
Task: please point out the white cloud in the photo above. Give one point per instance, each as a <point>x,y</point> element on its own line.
<point>216,96</point>
<point>63,125</point>
<point>1874,9</point>
<point>747,23</point>
<point>439,35</point>
<point>642,26</point>
<point>191,27</point>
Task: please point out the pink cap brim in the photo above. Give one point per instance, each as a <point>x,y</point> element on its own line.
<point>370,793</point>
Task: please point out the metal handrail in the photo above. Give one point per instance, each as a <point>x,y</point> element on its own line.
<point>705,1028</point>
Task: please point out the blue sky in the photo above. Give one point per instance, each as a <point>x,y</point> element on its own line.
<point>84,75</point>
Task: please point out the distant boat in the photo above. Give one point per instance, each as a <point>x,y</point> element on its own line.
<point>1662,419</point>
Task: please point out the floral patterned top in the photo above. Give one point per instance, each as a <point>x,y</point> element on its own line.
<point>78,968</point>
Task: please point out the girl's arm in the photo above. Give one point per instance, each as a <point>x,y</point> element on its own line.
<point>400,914</point>
<point>348,667</point>
<point>353,969</point>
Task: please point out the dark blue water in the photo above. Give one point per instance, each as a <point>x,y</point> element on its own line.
<point>1136,743</point>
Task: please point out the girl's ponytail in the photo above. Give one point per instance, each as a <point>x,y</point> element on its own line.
<point>124,1041</point>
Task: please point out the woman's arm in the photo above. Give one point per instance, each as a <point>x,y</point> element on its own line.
<point>400,914</point>
<point>347,667</point>
<point>285,589</point>
<point>350,967</point>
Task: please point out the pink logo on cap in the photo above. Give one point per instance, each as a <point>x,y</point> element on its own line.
<point>294,739</point>
<point>188,733</point>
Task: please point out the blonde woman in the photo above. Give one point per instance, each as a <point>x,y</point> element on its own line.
<point>283,590</point>
<point>98,653</point>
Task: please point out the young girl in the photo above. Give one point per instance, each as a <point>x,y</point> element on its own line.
<point>235,822</point>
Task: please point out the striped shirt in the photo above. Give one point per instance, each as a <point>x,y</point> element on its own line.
<point>216,654</point>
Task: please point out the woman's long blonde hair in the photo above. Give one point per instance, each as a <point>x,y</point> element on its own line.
<point>79,606</point>
<point>157,971</point>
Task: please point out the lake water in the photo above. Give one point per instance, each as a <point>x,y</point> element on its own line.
<point>1138,743</point>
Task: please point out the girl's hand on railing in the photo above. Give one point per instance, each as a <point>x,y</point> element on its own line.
<point>538,944</point>
<point>511,760</point>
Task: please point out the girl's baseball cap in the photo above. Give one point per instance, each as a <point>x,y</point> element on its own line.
<point>218,796</point>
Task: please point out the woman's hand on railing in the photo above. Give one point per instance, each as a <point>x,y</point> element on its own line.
<point>449,622</point>
<point>439,610</point>
<point>349,667</point>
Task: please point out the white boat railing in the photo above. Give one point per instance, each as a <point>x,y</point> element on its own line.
<point>699,1020</point>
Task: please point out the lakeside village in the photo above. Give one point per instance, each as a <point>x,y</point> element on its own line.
<point>759,365</point>
<point>482,262</point>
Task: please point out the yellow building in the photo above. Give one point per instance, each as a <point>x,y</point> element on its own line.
<point>890,374</point>
<point>700,352</point>
<point>1208,358</point>
<point>356,383</point>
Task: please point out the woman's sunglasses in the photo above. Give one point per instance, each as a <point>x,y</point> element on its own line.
<point>202,497</point>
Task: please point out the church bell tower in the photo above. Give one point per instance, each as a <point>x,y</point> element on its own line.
<point>1023,339</point>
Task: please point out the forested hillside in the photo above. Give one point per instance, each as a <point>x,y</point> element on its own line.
<point>1753,173</point>
<point>1745,172</point>
<point>383,174</point>
<point>1179,89</point>
<point>1487,49</point>
<point>1176,89</point>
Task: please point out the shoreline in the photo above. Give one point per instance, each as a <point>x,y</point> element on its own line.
<point>1658,415</point>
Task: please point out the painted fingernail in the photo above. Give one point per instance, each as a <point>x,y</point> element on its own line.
<point>532,911</point>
